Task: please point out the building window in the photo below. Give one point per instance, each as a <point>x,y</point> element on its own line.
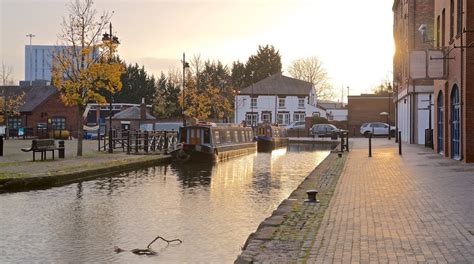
<point>451,20</point>
<point>251,119</point>
<point>440,123</point>
<point>300,102</point>
<point>459,16</point>
<point>437,31</point>
<point>298,117</point>
<point>267,117</point>
<point>253,102</point>
<point>14,122</point>
<point>316,114</point>
<point>58,123</point>
<point>281,102</point>
<point>443,27</point>
<point>283,118</point>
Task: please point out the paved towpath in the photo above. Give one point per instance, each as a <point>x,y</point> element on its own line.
<point>418,207</point>
<point>18,170</point>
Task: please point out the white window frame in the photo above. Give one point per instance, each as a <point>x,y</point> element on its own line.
<point>253,102</point>
<point>251,119</point>
<point>281,102</point>
<point>300,102</point>
<point>283,118</point>
<point>269,115</point>
<point>299,117</point>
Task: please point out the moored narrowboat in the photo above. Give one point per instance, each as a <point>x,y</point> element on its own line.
<point>212,143</point>
<point>270,137</point>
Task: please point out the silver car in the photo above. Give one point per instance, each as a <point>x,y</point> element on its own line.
<point>377,129</point>
<point>323,130</point>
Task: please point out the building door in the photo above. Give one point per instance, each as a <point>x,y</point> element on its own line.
<point>440,123</point>
<point>456,124</point>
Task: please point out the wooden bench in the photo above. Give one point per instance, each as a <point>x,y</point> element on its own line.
<point>42,146</point>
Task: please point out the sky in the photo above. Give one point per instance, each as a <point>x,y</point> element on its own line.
<point>353,38</point>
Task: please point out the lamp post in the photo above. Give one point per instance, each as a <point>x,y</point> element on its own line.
<point>348,128</point>
<point>185,65</point>
<point>110,39</point>
<point>389,88</point>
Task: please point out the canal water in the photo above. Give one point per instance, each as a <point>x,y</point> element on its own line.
<point>212,208</point>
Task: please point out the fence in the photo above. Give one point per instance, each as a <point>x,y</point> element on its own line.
<point>135,142</point>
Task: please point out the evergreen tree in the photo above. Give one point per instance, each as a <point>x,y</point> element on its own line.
<point>265,63</point>
<point>136,84</point>
<point>237,75</point>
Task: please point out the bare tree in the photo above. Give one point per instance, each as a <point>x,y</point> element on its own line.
<point>6,74</point>
<point>8,104</point>
<point>311,70</point>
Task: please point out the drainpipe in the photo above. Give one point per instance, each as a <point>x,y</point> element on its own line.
<point>461,84</point>
<point>412,111</point>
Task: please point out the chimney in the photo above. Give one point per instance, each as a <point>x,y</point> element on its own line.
<point>143,110</point>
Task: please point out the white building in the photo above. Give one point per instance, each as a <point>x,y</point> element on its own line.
<point>336,111</point>
<point>39,61</point>
<point>277,98</point>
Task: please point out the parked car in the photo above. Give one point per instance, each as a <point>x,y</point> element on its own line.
<point>323,130</point>
<point>377,129</point>
<point>296,125</point>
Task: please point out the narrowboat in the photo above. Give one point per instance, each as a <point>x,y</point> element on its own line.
<point>212,143</point>
<point>270,137</point>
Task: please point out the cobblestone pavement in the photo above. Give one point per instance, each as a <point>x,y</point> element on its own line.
<point>418,207</point>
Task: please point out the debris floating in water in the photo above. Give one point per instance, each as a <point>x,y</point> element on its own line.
<point>148,251</point>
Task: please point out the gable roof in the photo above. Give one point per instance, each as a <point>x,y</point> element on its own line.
<point>132,113</point>
<point>33,95</point>
<point>36,96</point>
<point>278,84</point>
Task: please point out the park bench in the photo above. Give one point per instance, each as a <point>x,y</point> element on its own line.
<point>43,146</point>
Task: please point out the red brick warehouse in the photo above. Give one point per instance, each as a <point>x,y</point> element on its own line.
<point>454,95</point>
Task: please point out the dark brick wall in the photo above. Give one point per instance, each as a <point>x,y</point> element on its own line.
<point>460,66</point>
<point>52,107</point>
<point>363,109</point>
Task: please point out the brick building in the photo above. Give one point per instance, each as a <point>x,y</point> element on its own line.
<point>454,95</point>
<point>413,32</point>
<point>366,108</point>
<point>42,111</point>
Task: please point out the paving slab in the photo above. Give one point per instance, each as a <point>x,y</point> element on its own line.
<point>418,207</point>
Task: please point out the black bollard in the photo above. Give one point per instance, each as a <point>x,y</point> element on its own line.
<point>342,142</point>
<point>1,146</point>
<point>166,144</point>
<point>347,141</point>
<point>399,142</point>
<point>145,142</point>
<point>389,132</point>
<point>370,145</point>
<point>312,196</point>
<point>61,149</point>
<point>128,142</point>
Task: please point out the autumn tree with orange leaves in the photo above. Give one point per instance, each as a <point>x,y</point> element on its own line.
<point>82,65</point>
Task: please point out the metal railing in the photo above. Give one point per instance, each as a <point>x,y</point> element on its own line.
<point>143,142</point>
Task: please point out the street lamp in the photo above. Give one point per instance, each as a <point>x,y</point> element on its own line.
<point>185,65</point>
<point>389,89</point>
<point>110,39</point>
<point>348,128</point>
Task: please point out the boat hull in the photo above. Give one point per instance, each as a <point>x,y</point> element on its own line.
<point>200,153</point>
<point>269,144</point>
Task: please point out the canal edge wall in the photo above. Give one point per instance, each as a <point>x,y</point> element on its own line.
<point>288,234</point>
<point>48,181</point>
